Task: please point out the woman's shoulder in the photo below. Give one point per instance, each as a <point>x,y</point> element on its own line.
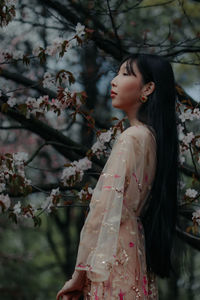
<point>138,131</point>
<point>140,134</point>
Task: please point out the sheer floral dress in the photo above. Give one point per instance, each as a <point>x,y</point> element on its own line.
<point>112,241</point>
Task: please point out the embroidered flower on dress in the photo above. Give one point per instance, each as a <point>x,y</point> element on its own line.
<point>131,244</point>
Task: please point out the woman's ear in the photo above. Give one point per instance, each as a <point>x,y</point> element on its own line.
<point>148,88</point>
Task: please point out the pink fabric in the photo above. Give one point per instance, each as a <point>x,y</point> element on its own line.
<point>112,241</point>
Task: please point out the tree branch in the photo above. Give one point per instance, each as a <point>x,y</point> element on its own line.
<point>192,240</point>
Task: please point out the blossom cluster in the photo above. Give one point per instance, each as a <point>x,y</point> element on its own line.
<point>12,174</point>
<point>192,193</point>
<point>52,200</point>
<point>7,11</point>
<point>74,171</point>
<point>187,139</point>
<point>10,164</point>
<point>196,216</point>
<point>6,55</point>
<point>190,114</point>
<point>60,45</point>
<point>99,146</point>
<point>85,194</point>
<point>4,202</point>
<point>43,104</point>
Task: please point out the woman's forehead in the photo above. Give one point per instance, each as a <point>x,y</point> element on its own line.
<point>127,64</point>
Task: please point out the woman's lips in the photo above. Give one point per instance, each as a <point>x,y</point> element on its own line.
<point>113,94</point>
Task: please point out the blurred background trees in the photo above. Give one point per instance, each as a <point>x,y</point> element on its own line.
<point>36,261</point>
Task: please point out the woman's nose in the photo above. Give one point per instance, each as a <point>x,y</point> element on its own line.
<point>113,84</point>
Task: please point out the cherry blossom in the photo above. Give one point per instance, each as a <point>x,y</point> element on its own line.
<point>182,185</point>
<point>188,138</point>
<point>51,201</point>
<point>49,81</point>
<point>181,159</point>
<point>4,202</point>
<point>12,101</point>
<point>189,114</point>
<point>80,29</point>
<point>196,216</point>
<point>180,129</point>
<point>10,2</point>
<point>75,171</point>
<point>17,208</point>
<point>191,193</point>
<point>85,194</point>
<point>99,146</point>
<point>55,48</point>
<point>197,142</point>
<point>19,158</point>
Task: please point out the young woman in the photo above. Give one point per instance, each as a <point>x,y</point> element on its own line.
<point>127,238</point>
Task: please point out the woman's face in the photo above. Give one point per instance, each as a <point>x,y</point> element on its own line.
<point>128,88</point>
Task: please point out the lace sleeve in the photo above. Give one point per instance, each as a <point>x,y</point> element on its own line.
<point>99,235</point>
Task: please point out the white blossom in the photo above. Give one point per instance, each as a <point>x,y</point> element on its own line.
<point>83,164</point>
<point>190,115</point>
<point>5,200</point>
<point>12,101</point>
<point>181,159</point>
<point>9,3</point>
<point>188,138</point>
<point>196,113</point>
<point>182,185</point>
<point>84,192</point>
<point>180,129</point>
<point>197,142</point>
<point>49,80</point>
<point>55,48</point>
<point>98,147</point>
<point>196,215</point>
<point>80,29</point>
<point>76,167</point>
<point>20,157</point>
<point>105,136</point>
<point>49,200</point>
<point>34,105</point>
<point>68,172</point>
<point>5,55</point>
<point>187,115</point>
<point>191,193</point>
<point>17,208</point>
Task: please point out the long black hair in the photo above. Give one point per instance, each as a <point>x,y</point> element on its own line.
<point>159,112</point>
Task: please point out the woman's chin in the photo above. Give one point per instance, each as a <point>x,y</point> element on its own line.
<point>116,105</point>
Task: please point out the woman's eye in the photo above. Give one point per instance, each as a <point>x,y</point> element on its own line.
<point>125,74</point>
